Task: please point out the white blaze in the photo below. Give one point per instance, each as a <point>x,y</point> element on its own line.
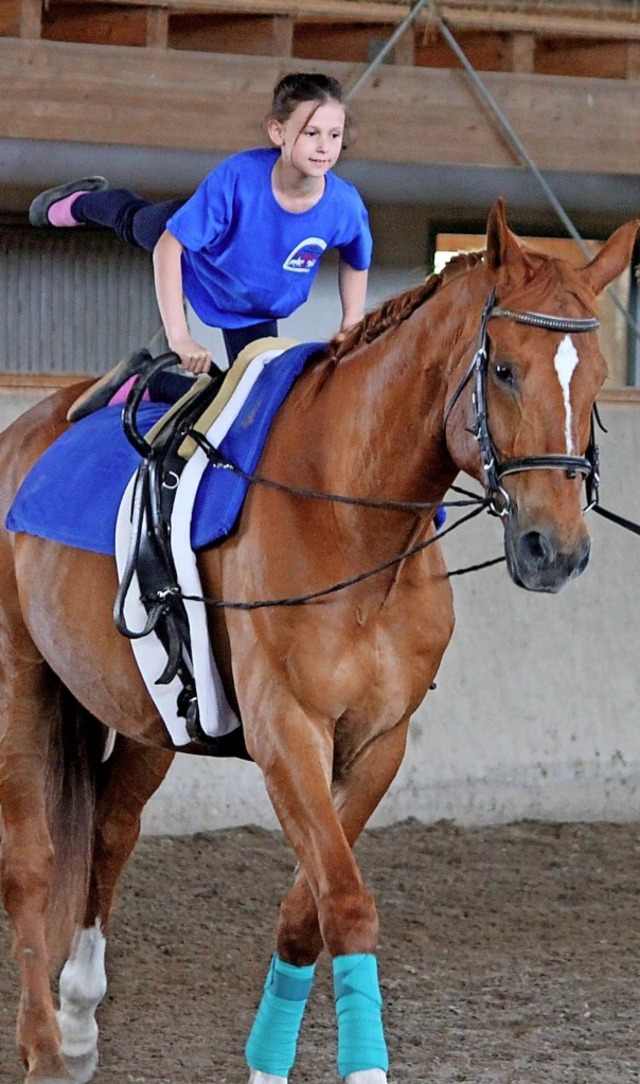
<point>564,363</point>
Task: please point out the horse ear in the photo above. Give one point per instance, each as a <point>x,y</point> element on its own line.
<point>504,254</point>
<point>612,258</point>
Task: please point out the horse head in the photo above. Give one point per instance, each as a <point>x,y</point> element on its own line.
<point>520,419</point>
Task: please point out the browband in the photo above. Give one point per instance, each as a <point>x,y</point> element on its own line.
<point>549,323</point>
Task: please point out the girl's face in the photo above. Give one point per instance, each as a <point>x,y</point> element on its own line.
<point>310,139</point>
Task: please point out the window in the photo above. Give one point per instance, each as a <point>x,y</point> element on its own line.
<point>618,338</point>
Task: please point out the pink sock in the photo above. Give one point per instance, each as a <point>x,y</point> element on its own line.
<point>122,392</point>
<point>59,213</point>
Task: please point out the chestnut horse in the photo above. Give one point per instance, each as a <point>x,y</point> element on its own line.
<point>491,368</point>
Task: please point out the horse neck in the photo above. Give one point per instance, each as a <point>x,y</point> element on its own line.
<point>377,421</point>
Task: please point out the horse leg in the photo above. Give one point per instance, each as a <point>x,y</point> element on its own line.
<point>132,774</point>
<point>28,703</point>
<point>328,905</point>
<point>357,794</point>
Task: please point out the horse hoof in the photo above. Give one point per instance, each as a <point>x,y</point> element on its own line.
<point>29,1079</point>
<point>82,1068</point>
<point>48,1080</point>
<point>34,1077</point>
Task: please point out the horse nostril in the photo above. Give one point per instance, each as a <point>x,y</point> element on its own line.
<point>538,548</point>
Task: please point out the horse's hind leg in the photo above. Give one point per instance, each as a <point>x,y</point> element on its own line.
<point>131,775</point>
<point>28,700</point>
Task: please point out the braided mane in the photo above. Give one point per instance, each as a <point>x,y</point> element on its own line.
<point>396,309</point>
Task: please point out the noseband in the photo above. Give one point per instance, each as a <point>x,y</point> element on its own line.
<point>494,470</point>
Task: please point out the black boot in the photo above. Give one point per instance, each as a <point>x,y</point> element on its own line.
<point>100,394</point>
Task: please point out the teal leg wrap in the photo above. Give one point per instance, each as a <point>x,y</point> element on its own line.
<point>361,1043</point>
<point>271,1046</point>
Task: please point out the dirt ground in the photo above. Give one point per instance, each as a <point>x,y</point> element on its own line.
<point>509,955</point>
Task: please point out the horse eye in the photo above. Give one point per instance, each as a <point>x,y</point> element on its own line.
<point>504,374</point>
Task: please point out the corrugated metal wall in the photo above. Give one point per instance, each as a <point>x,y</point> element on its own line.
<point>71,300</point>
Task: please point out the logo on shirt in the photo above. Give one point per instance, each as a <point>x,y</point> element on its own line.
<point>305,256</point>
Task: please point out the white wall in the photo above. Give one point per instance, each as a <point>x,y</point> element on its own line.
<point>535,713</point>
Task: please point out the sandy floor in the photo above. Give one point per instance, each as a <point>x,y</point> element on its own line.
<point>508,956</point>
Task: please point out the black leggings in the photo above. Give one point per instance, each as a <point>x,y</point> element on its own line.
<point>140,222</point>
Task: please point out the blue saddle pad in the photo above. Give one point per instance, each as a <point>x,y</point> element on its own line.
<point>73,492</point>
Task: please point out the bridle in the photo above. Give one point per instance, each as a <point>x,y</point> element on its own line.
<point>494,470</point>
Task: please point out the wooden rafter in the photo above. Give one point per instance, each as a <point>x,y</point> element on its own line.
<point>544,23</point>
<point>162,98</point>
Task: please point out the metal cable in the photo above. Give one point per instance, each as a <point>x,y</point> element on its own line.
<point>523,153</point>
<point>386,49</point>
<point>496,112</point>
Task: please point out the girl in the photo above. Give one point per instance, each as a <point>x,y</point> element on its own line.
<point>245,248</point>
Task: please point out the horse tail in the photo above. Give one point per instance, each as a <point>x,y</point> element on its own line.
<point>77,743</point>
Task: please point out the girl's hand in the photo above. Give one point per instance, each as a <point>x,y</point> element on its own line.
<point>194,357</point>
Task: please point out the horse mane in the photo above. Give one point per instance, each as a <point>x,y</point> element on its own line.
<point>396,309</point>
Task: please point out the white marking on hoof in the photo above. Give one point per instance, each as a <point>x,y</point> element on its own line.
<point>564,363</point>
<point>83,984</point>
<point>257,1077</point>
<point>367,1076</point>
<point>47,1080</point>
<point>83,1069</point>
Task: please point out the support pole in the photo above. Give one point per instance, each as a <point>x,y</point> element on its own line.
<point>523,154</point>
<point>495,111</point>
<point>386,49</point>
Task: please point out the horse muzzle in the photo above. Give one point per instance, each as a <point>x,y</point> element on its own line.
<point>537,558</point>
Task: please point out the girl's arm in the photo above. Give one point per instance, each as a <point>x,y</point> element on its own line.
<point>168,279</point>
<point>352,285</point>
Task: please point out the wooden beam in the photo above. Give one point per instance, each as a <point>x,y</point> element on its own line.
<point>543,23</point>
<point>281,35</point>
<point>521,50</point>
<point>404,49</point>
<point>30,18</point>
<point>345,10</point>
<point>157,34</point>
<point>564,23</point>
<point>154,98</point>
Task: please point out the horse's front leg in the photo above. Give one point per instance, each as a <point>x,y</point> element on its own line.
<point>132,774</point>
<point>329,906</point>
<point>357,794</point>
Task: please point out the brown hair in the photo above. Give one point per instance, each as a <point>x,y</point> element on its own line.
<point>297,87</point>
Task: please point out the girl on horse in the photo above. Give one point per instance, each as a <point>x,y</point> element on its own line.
<point>245,248</point>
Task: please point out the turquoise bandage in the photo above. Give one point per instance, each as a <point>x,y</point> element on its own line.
<point>271,1046</point>
<point>361,1042</point>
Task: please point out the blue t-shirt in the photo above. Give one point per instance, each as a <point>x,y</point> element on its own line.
<point>245,258</point>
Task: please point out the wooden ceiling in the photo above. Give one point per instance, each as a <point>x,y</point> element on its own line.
<point>581,38</point>
<point>164,85</point>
